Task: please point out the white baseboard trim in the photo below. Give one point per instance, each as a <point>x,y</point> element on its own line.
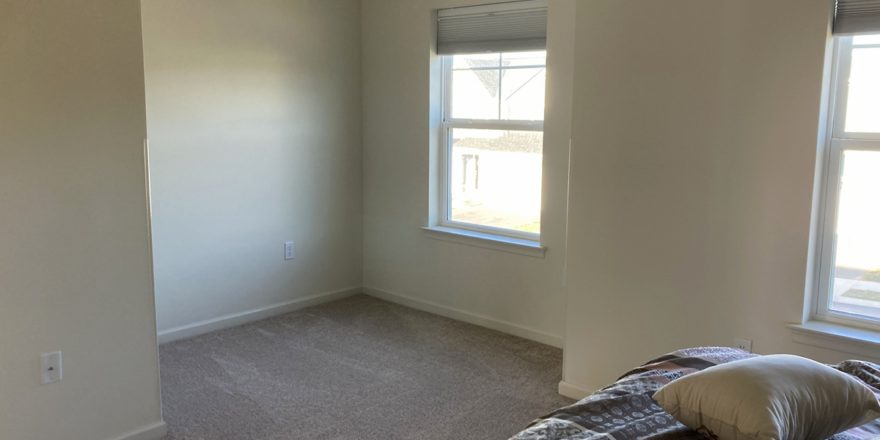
<point>461,315</point>
<point>572,391</point>
<point>235,319</point>
<point>154,431</point>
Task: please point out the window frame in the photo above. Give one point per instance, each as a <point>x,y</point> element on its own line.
<point>837,143</point>
<point>448,123</point>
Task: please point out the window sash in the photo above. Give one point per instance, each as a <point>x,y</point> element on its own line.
<point>446,180</point>
<point>447,125</point>
<point>837,143</point>
<point>837,148</point>
<point>843,47</point>
<point>489,124</point>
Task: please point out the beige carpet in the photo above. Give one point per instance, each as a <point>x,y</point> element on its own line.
<point>358,368</point>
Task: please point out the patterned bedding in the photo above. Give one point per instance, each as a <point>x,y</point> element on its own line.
<point>625,409</point>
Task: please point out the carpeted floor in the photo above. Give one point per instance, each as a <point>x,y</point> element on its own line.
<point>358,368</point>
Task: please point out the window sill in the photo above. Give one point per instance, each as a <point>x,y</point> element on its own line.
<point>511,245</point>
<point>851,340</point>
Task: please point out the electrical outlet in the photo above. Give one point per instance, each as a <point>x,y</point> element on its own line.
<point>743,344</point>
<point>51,364</point>
<point>289,252</point>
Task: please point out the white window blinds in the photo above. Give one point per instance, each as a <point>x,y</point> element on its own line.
<point>500,27</point>
<point>857,17</point>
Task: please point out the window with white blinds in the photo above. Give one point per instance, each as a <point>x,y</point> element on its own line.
<point>500,27</point>
<point>853,17</point>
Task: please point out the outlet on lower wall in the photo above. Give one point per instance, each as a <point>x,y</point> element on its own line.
<point>743,344</point>
<point>289,252</point>
<point>51,367</point>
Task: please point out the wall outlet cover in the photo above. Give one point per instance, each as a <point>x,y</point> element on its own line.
<point>51,367</point>
<point>743,344</point>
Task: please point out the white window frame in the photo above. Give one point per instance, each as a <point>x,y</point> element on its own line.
<point>448,123</point>
<point>837,143</point>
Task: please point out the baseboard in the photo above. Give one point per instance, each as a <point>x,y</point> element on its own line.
<point>235,319</point>
<point>461,315</point>
<point>572,391</point>
<point>153,431</point>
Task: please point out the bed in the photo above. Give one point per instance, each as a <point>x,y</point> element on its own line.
<point>625,409</point>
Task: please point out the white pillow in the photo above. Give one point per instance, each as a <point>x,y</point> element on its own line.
<point>776,397</point>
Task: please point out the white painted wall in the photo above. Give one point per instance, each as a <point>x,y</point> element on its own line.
<point>74,236</point>
<point>507,291</point>
<point>694,144</point>
<point>253,113</point>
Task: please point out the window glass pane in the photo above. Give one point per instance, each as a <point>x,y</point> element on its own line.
<point>475,94</point>
<point>495,178</point>
<point>511,59</point>
<point>475,61</point>
<point>498,86</point>
<point>522,94</point>
<point>861,40</point>
<point>863,100</point>
<point>856,279</point>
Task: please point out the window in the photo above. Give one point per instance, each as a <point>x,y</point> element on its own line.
<point>849,255</point>
<point>491,135</point>
<point>492,142</point>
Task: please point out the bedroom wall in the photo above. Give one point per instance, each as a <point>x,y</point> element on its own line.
<point>694,145</point>
<point>514,293</point>
<point>75,253</point>
<point>253,114</point>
